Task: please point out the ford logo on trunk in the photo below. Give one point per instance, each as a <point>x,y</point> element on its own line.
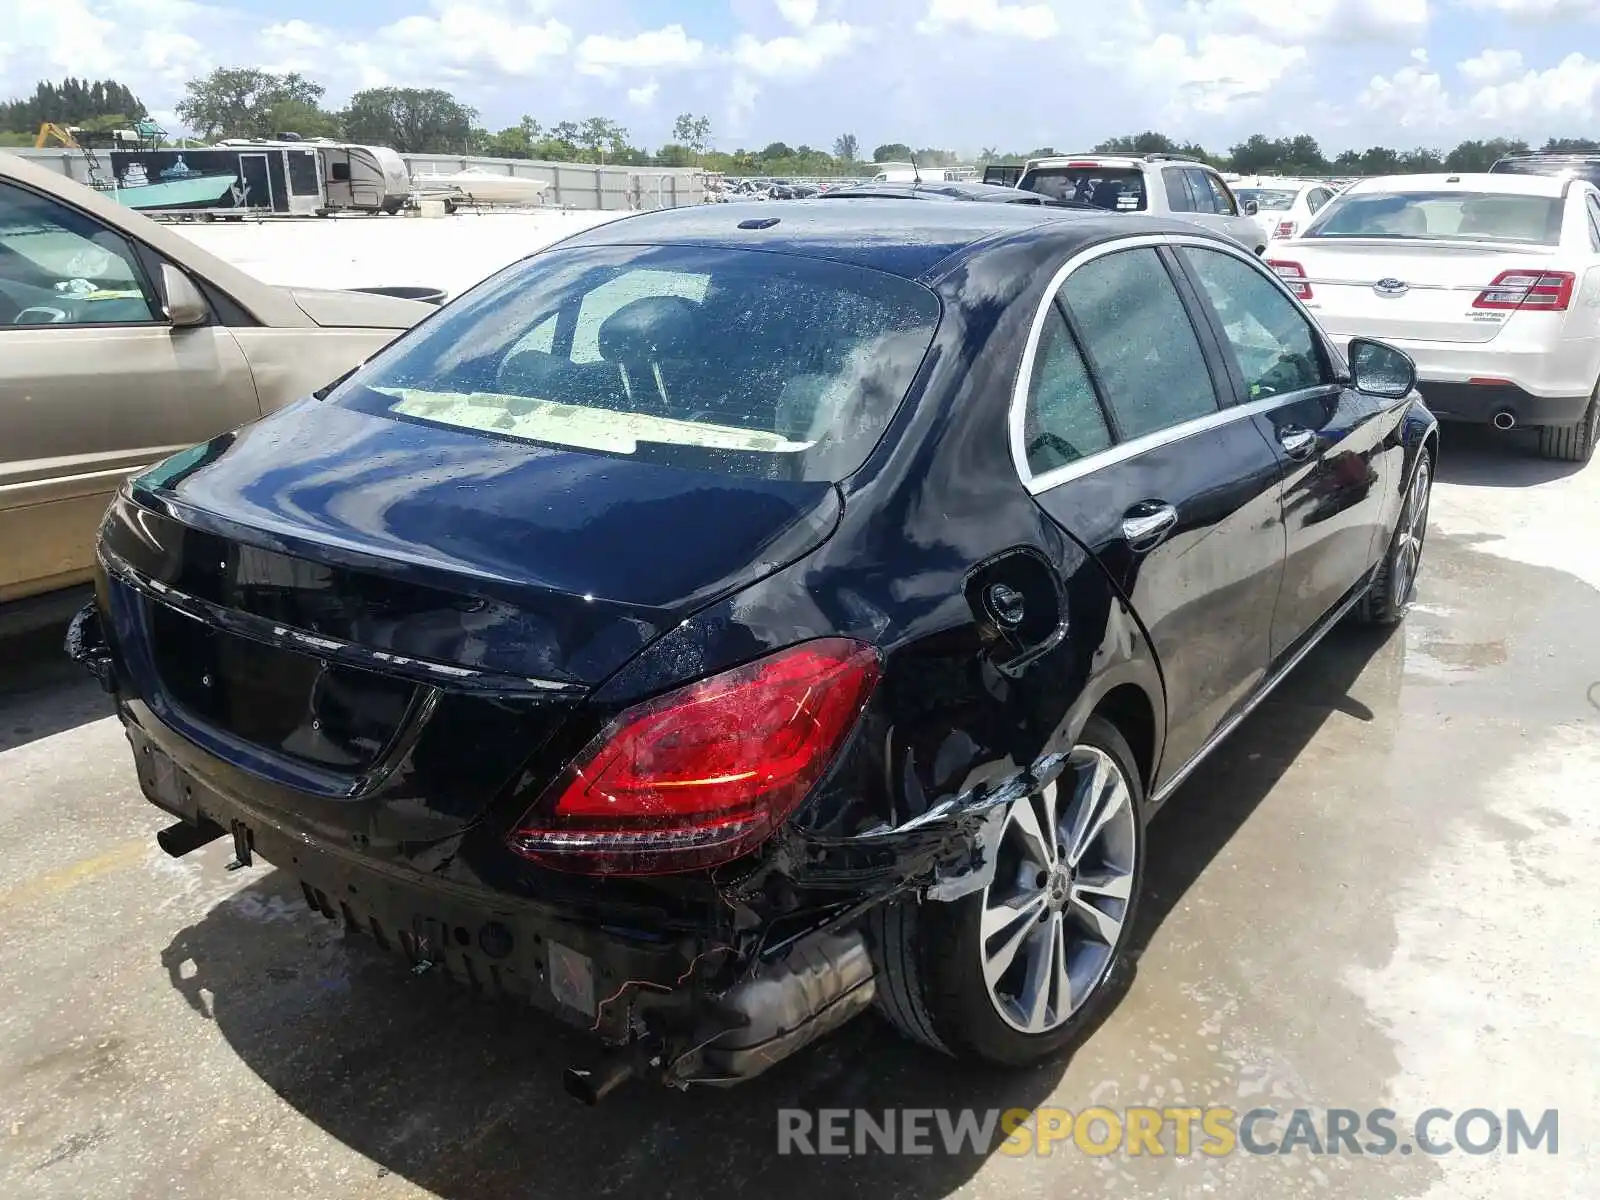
<point>1391,287</point>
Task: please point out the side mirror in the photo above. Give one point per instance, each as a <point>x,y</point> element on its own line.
<point>185,305</point>
<point>1251,208</point>
<point>1381,370</point>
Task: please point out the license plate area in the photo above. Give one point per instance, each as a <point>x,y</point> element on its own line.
<point>325,714</point>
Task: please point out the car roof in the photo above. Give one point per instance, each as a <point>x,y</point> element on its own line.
<point>941,189</point>
<point>1503,182</point>
<point>903,237</point>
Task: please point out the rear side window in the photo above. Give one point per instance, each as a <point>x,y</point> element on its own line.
<point>1179,198</point>
<point>1205,200</point>
<point>1062,422</point>
<point>1117,189</point>
<point>1594,222</point>
<point>730,361</point>
<point>1446,216</point>
<point>1221,197</point>
<point>1138,336</point>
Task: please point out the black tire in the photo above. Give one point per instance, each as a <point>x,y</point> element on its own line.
<point>930,983</point>
<point>1573,443</point>
<point>1384,603</point>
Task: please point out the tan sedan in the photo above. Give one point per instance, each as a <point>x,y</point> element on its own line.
<point>122,342</point>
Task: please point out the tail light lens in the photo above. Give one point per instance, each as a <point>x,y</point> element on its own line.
<point>1285,229</point>
<point>705,773</point>
<point>1545,291</point>
<point>1294,275</point>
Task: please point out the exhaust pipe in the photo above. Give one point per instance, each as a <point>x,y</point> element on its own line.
<point>590,1085</point>
<point>1503,420</point>
<point>178,840</point>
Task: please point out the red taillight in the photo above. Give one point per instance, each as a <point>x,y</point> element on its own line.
<point>1087,163</point>
<point>1294,275</point>
<point>705,773</point>
<point>1285,229</point>
<point>1544,291</point>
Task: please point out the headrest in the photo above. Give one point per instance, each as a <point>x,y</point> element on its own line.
<point>649,328</point>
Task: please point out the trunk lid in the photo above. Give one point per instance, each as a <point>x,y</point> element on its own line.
<point>1410,289</point>
<point>371,624</point>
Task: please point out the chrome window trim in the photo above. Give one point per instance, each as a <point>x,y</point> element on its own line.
<point>1228,413</point>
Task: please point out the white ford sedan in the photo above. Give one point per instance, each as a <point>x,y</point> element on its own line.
<point>1490,282</point>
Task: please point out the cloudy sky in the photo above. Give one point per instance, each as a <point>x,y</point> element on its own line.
<point>960,73</point>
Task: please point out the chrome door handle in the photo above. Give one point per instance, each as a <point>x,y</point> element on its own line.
<point>1297,442</point>
<point>1146,524</point>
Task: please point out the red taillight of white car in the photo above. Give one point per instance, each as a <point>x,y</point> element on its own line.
<point>1541,291</point>
<point>1285,229</point>
<point>706,773</point>
<point>1293,274</point>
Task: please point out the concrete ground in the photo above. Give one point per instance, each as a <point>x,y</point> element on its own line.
<point>1380,893</point>
<point>451,253</point>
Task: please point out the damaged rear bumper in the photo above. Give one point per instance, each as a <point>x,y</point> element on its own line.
<point>715,1004</point>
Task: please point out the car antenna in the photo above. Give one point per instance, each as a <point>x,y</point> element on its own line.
<point>916,173</point>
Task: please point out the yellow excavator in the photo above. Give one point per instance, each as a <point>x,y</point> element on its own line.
<point>65,134</point>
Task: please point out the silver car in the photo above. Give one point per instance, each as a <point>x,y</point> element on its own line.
<point>1161,185</point>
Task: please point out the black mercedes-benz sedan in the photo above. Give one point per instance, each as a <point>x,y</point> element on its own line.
<point>732,618</point>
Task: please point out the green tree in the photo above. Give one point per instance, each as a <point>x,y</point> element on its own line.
<point>846,147</point>
<point>70,102</point>
<point>600,136</point>
<point>1481,155</point>
<point>692,132</point>
<point>241,101</point>
<point>1380,160</point>
<point>1570,146</point>
<point>1420,161</point>
<point>411,120</point>
<point>892,152</point>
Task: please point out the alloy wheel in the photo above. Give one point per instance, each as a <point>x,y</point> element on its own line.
<point>1055,912</point>
<point>1413,528</point>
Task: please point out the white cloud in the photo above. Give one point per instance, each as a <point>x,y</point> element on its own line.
<point>1301,20</point>
<point>1491,65</point>
<point>645,95</point>
<point>1538,9</point>
<point>1412,98</point>
<point>1565,94</point>
<point>671,46</point>
<point>798,12</point>
<point>795,56</point>
<point>463,35</point>
<point>1219,72</point>
<point>1033,22</point>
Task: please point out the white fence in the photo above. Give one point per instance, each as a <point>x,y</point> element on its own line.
<point>574,185</point>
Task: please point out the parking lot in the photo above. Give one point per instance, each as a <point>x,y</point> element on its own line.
<point>1379,893</point>
<point>450,254</point>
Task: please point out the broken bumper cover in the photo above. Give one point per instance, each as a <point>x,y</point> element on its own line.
<point>713,1017</point>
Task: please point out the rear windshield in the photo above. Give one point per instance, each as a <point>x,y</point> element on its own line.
<point>1460,216</point>
<point>1120,189</point>
<point>1267,200</point>
<point>1577,169</point>
<point>733,361</point>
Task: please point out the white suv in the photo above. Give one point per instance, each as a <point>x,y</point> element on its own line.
<point>1490,282</point>
<point>1161,185</point>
